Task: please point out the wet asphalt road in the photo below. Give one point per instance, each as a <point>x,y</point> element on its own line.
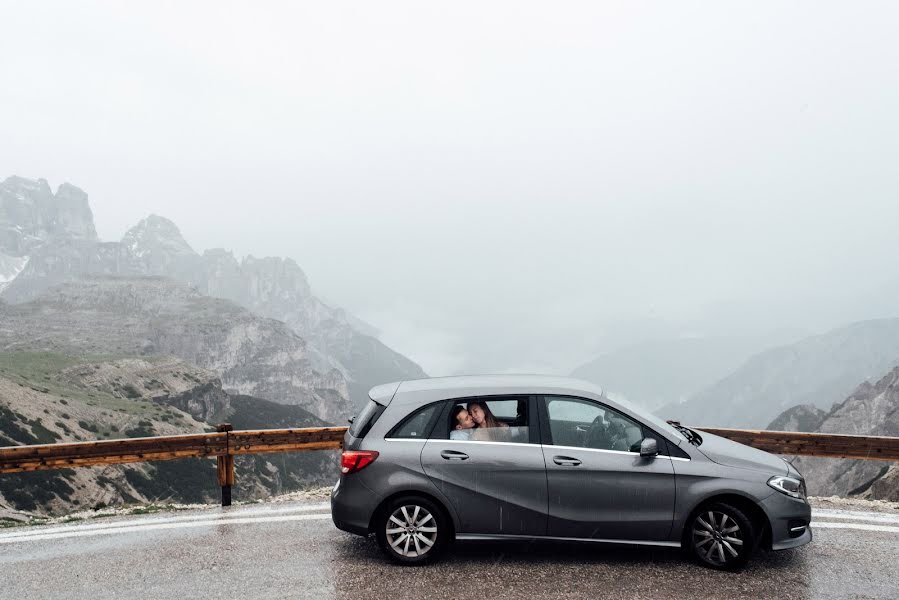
<point>294,551</point>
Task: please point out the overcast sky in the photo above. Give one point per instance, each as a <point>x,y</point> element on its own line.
<point>496,186</point>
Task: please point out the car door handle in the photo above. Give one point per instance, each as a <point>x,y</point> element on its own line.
<point>453,455</point>
<point>566,461</point>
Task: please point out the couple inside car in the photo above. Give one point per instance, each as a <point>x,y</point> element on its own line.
<point>475,421</point>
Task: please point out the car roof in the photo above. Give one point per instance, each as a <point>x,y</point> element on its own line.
<point>463,386</point>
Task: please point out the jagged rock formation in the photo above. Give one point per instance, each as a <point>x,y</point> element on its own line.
<point>48,397</point>
<point>157,316</point>
<point>30,215</point>
<point>275,288</point>
<point>63,246</point>
<point>155,247</point>
<point>804,417</point>
<point>872,409</point>
<point>818,370</point>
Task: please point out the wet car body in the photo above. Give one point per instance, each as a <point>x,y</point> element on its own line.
<point>555,476</point>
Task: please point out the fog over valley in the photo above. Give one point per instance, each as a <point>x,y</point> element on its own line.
<point>645,195</point>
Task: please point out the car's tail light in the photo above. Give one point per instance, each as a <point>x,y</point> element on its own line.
<point>356,460</point>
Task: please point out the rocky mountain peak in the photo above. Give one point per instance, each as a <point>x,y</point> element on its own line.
<point>275,278</point>
<point>38,187</point>
<point>871,409</point>
<point>73,197</point>
<point>156,234</point>
<point>804,417</point>
<point>155,246</point>
<point>274,288</point>
<point>30,214</point>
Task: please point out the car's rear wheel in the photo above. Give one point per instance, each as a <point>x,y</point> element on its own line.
<point>721,536</point>
<point>412,530</point>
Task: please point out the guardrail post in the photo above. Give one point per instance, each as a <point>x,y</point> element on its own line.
<point>225,465</point>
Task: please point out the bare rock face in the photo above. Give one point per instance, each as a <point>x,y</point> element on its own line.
<point>804,417</point>
<point>872,409</point>
<point>30,214</point>
<point>155,247</point>
<point>60,245</point>
<point>155,315</point>
<point>278,288</point>
<point>819,370</point>
<point>165,380</point>
<point>55,262</point>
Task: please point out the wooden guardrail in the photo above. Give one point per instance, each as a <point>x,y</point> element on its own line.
<point>824,445</point>
<point>223,445</point>
<point>226,443</point>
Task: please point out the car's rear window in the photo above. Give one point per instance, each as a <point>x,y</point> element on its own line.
<point>418,424</point>
<point>367,417</point>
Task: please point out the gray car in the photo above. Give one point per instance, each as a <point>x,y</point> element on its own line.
<point>531,457</point>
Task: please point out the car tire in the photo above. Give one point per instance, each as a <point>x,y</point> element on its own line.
<point>721,536</point>
<point>412,530</point>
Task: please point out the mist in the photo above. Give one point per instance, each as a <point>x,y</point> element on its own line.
<point>512,187</point>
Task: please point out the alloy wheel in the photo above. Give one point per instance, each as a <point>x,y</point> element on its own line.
<point>717,537</point>
<point>411,531</point>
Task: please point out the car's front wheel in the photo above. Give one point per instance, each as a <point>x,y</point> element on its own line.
<point>721,536</point>
<point>412,530</point>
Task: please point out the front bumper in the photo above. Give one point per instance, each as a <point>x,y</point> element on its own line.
<point>790,520</point>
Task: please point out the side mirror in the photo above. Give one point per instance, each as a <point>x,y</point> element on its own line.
<point>649,447</point>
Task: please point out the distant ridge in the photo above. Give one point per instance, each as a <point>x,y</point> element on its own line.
<point>818,371</point>
<point>871,409</point>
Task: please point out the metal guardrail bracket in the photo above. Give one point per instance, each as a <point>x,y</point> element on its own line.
<point>225,464</point>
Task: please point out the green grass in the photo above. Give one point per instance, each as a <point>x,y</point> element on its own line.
<point>43,435</point>
<point>5,522</point>
<point>25,368</point>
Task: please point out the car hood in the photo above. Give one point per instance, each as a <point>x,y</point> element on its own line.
<point>732,454</point>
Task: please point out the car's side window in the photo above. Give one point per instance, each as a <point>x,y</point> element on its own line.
<point>416,425</point>
<point>586,424</point>
<point>488,419</point>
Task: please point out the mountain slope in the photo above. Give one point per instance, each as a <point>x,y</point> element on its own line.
<point>872,409</point>
<point>48,398</point>
<point>656,373</point>
<point>278,288</point>
<point>157,316</point>
<point>818,370</point>
<point>803,417</point>
<point>31,215</point>
<point>39,253</point>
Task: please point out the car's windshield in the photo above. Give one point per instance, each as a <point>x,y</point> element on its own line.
<point>688,434</point>
<point>653,421</point>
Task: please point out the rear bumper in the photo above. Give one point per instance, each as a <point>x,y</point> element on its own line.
<point>351,510</point>
<point>790,521</point>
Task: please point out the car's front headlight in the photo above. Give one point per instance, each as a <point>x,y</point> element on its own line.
<point>790,486</point>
